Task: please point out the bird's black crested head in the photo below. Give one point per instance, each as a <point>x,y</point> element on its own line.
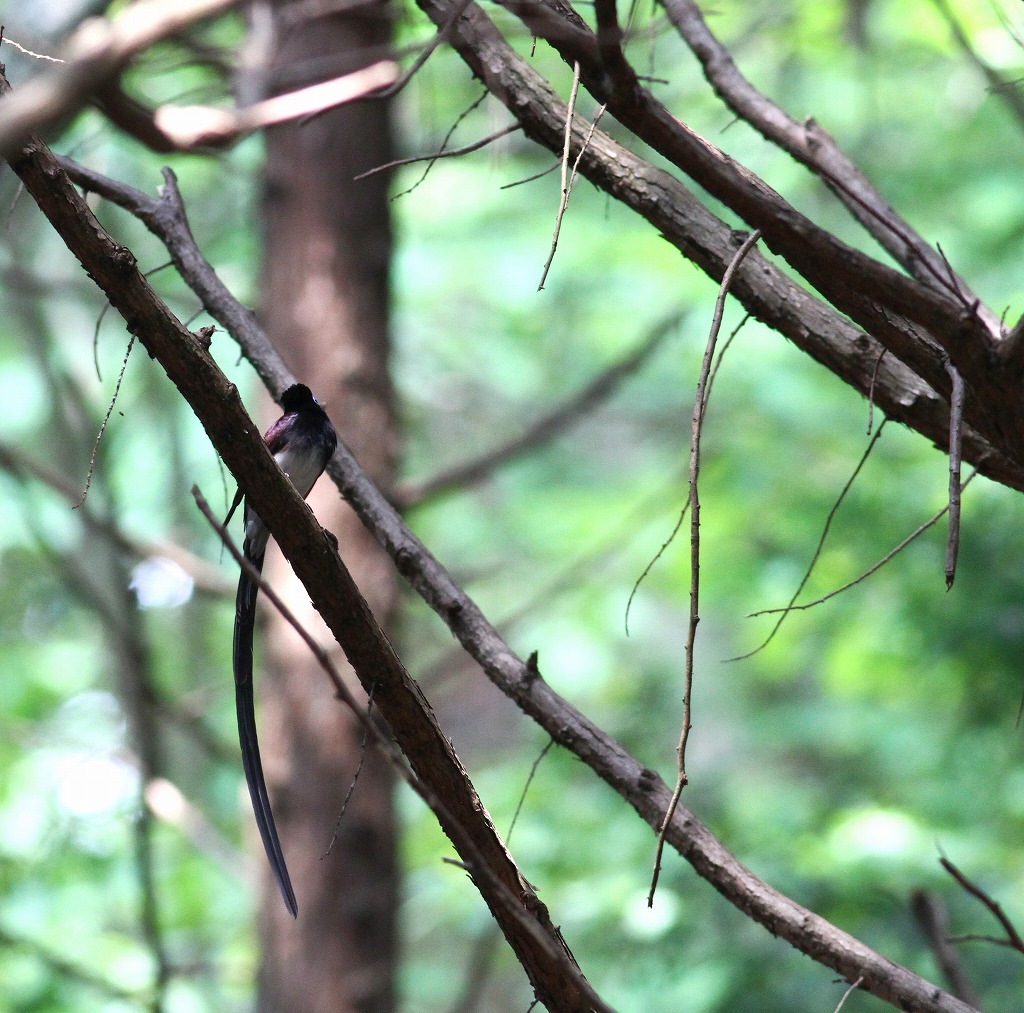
<point>297,397</point>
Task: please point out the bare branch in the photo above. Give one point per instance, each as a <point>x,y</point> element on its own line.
<point>96,52</point>
<point>846,995</point>
<point>869,292</point>
<point>765,290</point>
<point>930,914</point>
<point>545,428</point>
<point>809,144</point>
<point>196,126</point>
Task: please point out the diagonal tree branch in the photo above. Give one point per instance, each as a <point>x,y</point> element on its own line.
<point>186,360</point>
<point>767,292</point>
<point>867,291</point>
<point>546,428</point>
<point>813,147</point>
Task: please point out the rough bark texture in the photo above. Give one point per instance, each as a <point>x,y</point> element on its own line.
<point>325,304</point>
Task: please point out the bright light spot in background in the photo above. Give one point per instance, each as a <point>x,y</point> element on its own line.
<point>161,583</point>
<point>91,720</point>
<point>643,922</point>
<point>89,786</point>
<point>877,833</point>
<point>88,771</point>
<point>76,779</point>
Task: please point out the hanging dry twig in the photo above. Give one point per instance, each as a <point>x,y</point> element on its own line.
<point>956,425</point>
<point>699,407</point>
<point>568,179</point>
<point>686,506</point>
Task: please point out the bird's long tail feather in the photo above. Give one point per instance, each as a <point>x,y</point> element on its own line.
<point>245,620</point>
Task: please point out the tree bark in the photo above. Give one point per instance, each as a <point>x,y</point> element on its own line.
<point>327,244</point>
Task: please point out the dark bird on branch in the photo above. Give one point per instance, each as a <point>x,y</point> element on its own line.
<point>302,442</point>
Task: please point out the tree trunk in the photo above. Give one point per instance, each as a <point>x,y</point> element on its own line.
<point>325,295</point>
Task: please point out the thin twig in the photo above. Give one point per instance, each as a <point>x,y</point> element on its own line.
<point>979,937</point>
<point>526,787</point>
<point>699,407</point>
<point>441,35</point>
<point>654,559</point>
<point>564,200</point>
<point>28,52</point>
<point>937,516</point>
<point>1013,937</point>
<point>529,179</point>
<point>322,657</point>
<point>686,506</point>
<point>103,425</point>
<point>956,425</point>
<point>784,612</point>
<point>444,144</point>
<point>352,785</point>
<point>846,995</point>
<point>450,153</point>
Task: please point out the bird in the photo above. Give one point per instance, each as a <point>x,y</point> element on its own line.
<point>302,441</point>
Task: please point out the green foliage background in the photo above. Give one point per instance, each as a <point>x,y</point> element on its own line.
<point>874,733</point>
